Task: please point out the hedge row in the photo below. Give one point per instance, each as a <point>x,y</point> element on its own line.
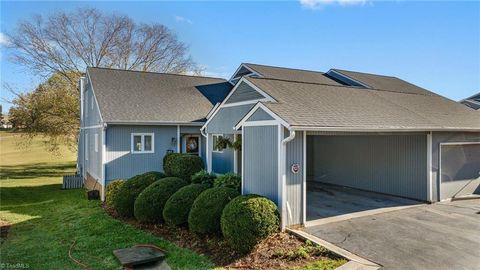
<point>154,198</point>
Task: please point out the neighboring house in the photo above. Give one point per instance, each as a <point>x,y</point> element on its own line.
<point>5,122</point>
<point>130,120</point>
<point>297,127</point>
<point>472,102</point>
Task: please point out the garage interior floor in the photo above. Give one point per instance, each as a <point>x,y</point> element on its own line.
<point>324,201</point>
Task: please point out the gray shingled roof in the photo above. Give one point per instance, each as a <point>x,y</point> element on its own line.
<point>131,96</point>
<point>384,82</point>
<point>291,74</point>
<point>321,105</point>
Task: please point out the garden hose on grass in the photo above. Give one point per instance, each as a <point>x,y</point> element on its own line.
<point>84,266</point>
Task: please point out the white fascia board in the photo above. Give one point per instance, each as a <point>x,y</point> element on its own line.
<point>94,97</point>
<point>222,105</point>
<point>393,129</point>
<point>259,105</point>
<point>213,110</point>
<point>348,77</point>
<point>238,69</point>
<point>155,123</point>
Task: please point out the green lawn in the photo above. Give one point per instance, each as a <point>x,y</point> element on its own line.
<point>47,220</point>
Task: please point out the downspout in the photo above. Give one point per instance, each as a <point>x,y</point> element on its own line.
<point>104,164</point>
<point>285,204</point>
<point>207,156</point>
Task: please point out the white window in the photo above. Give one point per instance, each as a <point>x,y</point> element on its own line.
<point>86,146</point>
<point>215,138</point>
<point>142,143</point>
<point>96,142</point>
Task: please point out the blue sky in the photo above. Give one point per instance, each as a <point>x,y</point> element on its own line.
<point>435,45</point>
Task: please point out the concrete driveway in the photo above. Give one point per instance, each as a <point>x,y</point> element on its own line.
<point>439,236</point>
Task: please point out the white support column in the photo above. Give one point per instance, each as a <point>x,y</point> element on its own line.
<point>429,168</point>
<point>235,156</point>
<point>178,138</point>
<point>304,183</point>
<point>281,173</point>
<point>243,158</point>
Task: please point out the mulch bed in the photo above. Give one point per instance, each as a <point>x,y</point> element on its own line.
<point>279,251</point>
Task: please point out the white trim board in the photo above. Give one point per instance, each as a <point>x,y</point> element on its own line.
<point>222,105</point>
<point>244,121</point>
<point>238,69</point>
<point>142,134</point>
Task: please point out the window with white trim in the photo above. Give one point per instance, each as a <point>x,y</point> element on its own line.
<point>142,143</point>
<point>215,138</point>
<point>96,142</point>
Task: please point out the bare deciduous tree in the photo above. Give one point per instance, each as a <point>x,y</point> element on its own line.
<point>64,44</point>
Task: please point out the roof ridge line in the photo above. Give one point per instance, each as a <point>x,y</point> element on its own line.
<point>160,73</point>
<point>298,69</point>
<point>381,75</point>
<point>344,86</point>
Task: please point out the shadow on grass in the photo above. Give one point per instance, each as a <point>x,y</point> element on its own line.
<point>36,170</point>
<point>48,219</point>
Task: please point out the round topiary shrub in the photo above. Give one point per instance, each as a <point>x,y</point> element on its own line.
<point>178,206</point>
<point>149,205</point>
<point>204,217</point>
<point>203,177</point>
<point>127,193</point>
<point>112,191</point>
<point>230,180</point>
<point>182,165</point>
<point>248,219</point>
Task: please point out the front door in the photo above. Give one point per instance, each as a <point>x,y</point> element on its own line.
<point>192,144</point>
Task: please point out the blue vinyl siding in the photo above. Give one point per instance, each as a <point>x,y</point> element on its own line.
<point>260,115</point>
<point>223,162</point>
<point>226,118</point>
<point>93,165</point>
<point>294,182</point>
<point>261,161</point>
<point>122,164</point>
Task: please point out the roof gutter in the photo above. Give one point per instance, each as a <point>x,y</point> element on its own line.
<point>155,123</point>
<point>396,129</point>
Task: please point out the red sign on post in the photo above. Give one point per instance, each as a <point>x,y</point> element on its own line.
<point>295,168</point>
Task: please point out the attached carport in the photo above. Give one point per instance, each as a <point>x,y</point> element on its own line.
<point>388,163</point>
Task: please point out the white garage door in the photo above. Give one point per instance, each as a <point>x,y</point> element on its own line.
<point>459,170</point>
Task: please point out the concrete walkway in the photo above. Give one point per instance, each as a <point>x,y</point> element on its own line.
<point>438,236</point>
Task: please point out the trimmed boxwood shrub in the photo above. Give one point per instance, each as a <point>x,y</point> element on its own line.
<point>182,165</point>
<point>126,195</point>
<point>178,206</point>
<point>204,217</point>
<point>203,177</point>
<point>248,219</point>
<point>230,180</point>
<point>149,204</point>
<point>112,191</point>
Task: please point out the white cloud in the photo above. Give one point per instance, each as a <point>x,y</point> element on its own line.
<point>4,40</point>
<point>316,4</point>
<point>182,19</point>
